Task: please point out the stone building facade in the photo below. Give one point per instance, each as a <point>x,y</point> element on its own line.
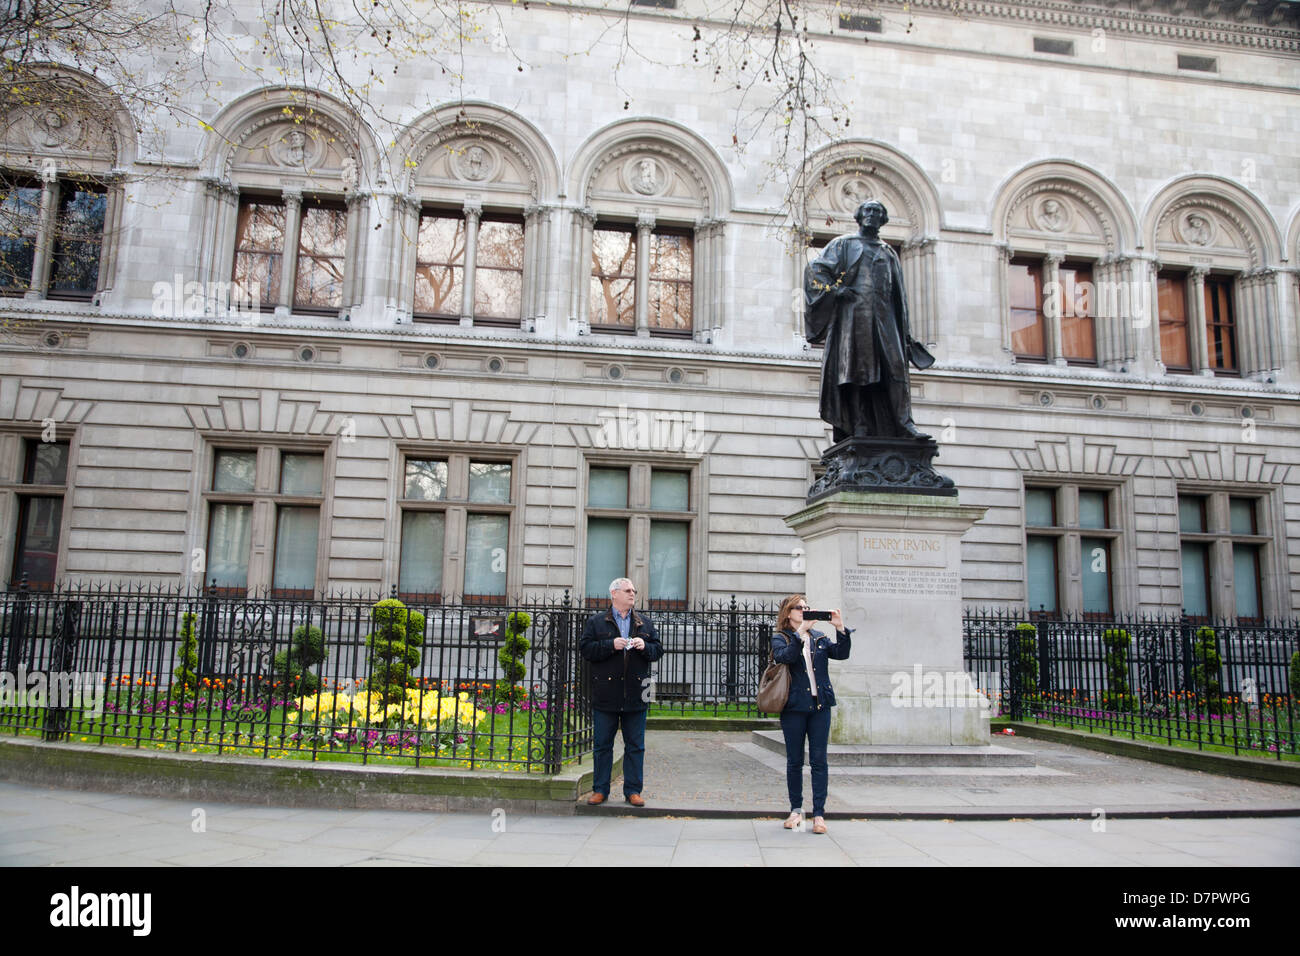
<point>287,372</point>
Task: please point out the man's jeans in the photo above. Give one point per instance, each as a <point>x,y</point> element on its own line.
<point>606,723</point>
<point>816,726</point>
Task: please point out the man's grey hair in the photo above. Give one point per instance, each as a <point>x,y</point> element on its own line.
<point>619,584</point>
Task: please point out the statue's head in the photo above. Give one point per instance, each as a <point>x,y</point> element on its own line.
<point>873,208</point>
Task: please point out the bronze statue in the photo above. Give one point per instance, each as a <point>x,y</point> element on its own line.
<point>857,306</point>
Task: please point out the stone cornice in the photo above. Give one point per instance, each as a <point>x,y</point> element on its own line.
<point>1256,24</point>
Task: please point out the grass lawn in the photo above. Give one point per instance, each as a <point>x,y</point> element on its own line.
<point>499,742</point>
<point>1166,733</point>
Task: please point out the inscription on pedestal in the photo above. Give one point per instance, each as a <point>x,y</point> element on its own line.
<point>903,582</point>
<point>902,550</point>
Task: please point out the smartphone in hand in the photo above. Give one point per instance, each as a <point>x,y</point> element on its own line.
<point>816,615</point>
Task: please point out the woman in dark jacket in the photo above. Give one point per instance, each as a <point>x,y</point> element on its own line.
<point>807,713</point>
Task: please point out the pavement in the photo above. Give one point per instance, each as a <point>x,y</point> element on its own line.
<point>1070,818</point>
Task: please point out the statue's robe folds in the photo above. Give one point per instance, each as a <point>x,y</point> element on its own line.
<point>865,337</point>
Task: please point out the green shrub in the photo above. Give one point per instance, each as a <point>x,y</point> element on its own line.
<point>1294,676</point>
<point>186,681</point>
<point>394,649</point>
<point>1116,696</point>
<point>1206,670</point>
<point>293,667</point>
<point>1024,648</point>
<point>511,657</point>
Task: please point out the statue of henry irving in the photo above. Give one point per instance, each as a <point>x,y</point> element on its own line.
<point>858,307</point>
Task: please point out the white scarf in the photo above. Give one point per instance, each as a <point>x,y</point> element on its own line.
<point>807,660</point>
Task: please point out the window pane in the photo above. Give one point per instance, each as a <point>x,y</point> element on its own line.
<point>78,237</point>
<point>426,479</point>
<point>613,278</point>
<point>489,481</point>
<point>37,551</point>
<point>606,554</point>
<point>1092,509</point>
<point>1094,561</point>
<point>1171,294</point>
<point>1245,579</point>
<point>1196,584</point>
<point>1040,507</point>
<point>234,471</point>
<point>259,251</point>
<point>607,489</point>
<point>229,541</point>
<point>47,463</point>
<point>1078,337</point>
<point>322,242</point>
<point>671,261</point>
<point>668,560</point>
<point>296,532</point>
<point>423,535</point>
<point>669,490</point>
<point>1026,298</point>
<point>439,265</point>
<point>1041,555</point>
<point>486,540</point>
<point>20,210</point>
<point>1219,326</point>
<point>499,270</point>
<point>1241,514</point>
<point>1191,514</point>
<point>302,474</point>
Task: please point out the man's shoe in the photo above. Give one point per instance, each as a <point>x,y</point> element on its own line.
<point>596,799</point>
<point>636,799</point>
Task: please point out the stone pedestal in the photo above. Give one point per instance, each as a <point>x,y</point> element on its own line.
<point>892,563</point>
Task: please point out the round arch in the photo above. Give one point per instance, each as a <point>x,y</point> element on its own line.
<point>847,172</point>
<point>1199,213</point>
<point>1087,207</point>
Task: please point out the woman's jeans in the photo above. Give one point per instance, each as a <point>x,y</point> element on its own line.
<point>816,727</point>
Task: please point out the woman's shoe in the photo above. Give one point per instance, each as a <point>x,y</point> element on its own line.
<point>792,821</point>
<point>819,825</point>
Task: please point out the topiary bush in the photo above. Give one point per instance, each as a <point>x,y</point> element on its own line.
<point>185,682</point>
<point>1116,696</point>
<point>1294,676</point>
<point>511,657</point>
<point>1206,670</point>
<point>294,666</point>
<point>394,649</point>
<point>1024,648</point>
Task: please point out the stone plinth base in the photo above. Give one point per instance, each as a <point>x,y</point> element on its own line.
<point>864,755</point>
<point>892,564</point>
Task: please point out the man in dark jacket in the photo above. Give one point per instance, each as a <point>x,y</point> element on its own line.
<point>621,644</point>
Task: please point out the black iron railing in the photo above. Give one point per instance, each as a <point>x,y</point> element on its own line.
<point>1220,684</point>
<point>253,686</point>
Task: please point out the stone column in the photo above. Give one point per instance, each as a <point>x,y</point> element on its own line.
<point>892,563</point>
<point>917,261</point>
<point>1004,256</point>
<point>112,234</point>
<point>1153,310</point>
<point>584,223</point>
<point>46,224</point>
<point>1196,318</point>
<point>1052,318</point>
<point>289,263</point>
<point>473,212</point>
<point>645,223</point>
<point>354,250</point>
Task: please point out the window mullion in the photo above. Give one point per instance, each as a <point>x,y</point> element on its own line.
<point>292,227</point>
<point>473,213</point>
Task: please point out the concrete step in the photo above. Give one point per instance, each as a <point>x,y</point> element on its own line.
<point>899,755</point>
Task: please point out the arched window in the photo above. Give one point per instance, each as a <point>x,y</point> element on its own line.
<point>61,191</point>
<point>284,218</point>
<point>649,237</point>
<point>474,236</point>
<point>1068,282</point>
<point>1214,288</point>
